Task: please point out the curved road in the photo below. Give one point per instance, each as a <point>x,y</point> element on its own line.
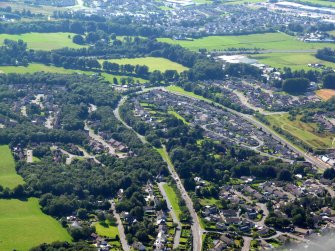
<point>315,161</point>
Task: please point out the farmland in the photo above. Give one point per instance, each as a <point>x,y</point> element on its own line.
<point>306,132</point>
<point>296,61</point>
<point>44,41</point>
<point>23,225</point>
<point>31,68</point>
<point>8,176</point>
<point>268,41</point>
<point>325,94</point>
<point>153,63</point>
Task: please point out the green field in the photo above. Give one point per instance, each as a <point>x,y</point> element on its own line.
<point>23,225</point>
<point>177,89</point>
<point>31,68</point>
<point>108,231</point>
<point>173,198</point>
<point>325,3</point>
<point>296,61</point>
<point>305,132</point>
<point>161,64</point>
<point>8,176</point>
<point>267,41</point>
<point>178,116</point>
<point>44,41</point>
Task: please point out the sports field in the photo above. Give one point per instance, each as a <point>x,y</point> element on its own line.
<point>23,225</point>
<point>161,64</point>
<point>8,176</point>
<point>305,132</point>
<point>268,41</point>
<point>296,61</point>
<point>44,41</point>
<point>325,94</point>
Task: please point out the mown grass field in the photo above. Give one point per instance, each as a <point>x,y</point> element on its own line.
<point>108,231</point>
<point>267,41</point>
<point>325,3</point>
<point>23,225</point>
<point>8,176</point>
<point>305,132</point>
<point>177,89</point>
<point>296,61</point>
<point>31,68</point>
<point>325,94</point>
<point>173,198</point>
<point>161,64</point>
<point>44,41</point>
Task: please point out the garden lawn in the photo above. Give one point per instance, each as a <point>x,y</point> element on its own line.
<point>267,41</point>
<point>8,176</point>
<point>44,41</point>
<point>23,225</point>
<point>303,131</point>
<point>161,64</point>
<point>108,231</point>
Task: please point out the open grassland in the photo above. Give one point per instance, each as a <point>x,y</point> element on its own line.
<point>325,94</point>
<point>173,198</point>
<point>8,176</point>
<point>267,41</point>
<point>296,61</point>
<point>23,225</point>
<point>44,41</point>
<point>31,68</point>
<point>161,64</point>
<point>306,132</point>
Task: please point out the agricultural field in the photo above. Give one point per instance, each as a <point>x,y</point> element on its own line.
<point>44,41</point>
<point>8,176</point>
<point>23,225</point>
<point>296,61</point>
<point>31,68</point>
<point>324,3</point>
<point>306,132</point>
<point>325,94</point>
<point>268,41</point>
<point>153,63</point>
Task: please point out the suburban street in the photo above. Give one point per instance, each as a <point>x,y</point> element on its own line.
<point>318,163</point>
<point>120,227</point>
<point>196,228</point>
